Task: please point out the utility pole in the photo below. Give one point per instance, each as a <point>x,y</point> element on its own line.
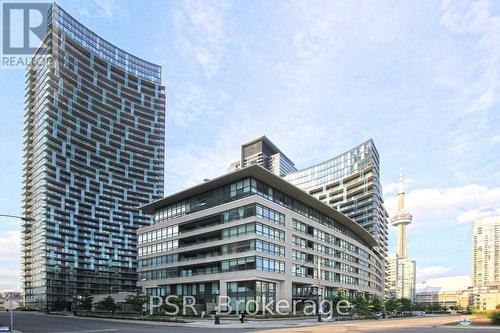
<point>11,315</point>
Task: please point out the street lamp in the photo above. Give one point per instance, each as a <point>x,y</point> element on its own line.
<point>26,219</point>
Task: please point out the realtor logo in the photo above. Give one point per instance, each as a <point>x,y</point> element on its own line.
<point>24,26</point>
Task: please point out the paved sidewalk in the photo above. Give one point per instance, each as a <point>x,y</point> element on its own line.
<point>259,324</point>
<point>224,322</point>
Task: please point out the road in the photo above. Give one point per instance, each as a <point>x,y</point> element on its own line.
<point>32,322</point>
<point>405,325</point>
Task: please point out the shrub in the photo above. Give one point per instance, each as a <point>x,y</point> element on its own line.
<point>495,318</point>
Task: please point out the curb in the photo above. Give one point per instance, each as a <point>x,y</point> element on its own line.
<point>468,327</point>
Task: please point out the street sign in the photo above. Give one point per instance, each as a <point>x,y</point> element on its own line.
<point>465,322</point>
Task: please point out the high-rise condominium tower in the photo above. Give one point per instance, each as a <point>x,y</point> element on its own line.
<point>350,183</point>
<point>263,152</point>
<point>485,251</point>
<point>94,149</point>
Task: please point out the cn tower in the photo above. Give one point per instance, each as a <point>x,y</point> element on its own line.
<point>401,219</point>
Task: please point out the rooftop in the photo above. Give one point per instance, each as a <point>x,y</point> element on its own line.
<point>268,142</point>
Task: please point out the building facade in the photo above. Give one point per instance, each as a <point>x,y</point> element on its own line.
<point>486,251</point>
<point>453,299</point>
<point>401,277</point>
<point>350,183</point>
<point>487,297</point>
<point>251,235</point>
<point>94,151</point>
<point>261,151</point>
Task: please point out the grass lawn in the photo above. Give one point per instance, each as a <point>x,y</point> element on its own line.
<point>477,320</point>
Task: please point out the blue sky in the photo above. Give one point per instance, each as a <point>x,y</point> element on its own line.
<point>422,78</point>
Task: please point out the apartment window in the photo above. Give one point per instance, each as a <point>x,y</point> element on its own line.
<point>158,234</point>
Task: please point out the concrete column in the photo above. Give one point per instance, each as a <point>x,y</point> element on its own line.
<point>223,292</point>
<point>284,292</point>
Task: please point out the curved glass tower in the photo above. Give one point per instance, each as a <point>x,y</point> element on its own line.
<point>350,183</point>
<point>94,151</point>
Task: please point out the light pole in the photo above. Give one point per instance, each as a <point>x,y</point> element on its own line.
<point>11,315</point>
<point>26,219</point>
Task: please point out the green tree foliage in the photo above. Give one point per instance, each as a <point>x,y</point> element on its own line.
<point>393,305</point>
<point>420,307</point>
<point>137,302</point>
<point>360,305</point>
<point>435,308</point>
<point>335,300</point>
<point>59,304</point>
<point>86,302</point>
<point>165,307</point>
<point>108,304</point>
<point>406,304</point>
<point>495,318</point>
<point>377,304</point>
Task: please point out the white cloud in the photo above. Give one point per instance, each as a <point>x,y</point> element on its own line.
<point>9,280</point>
<point>9,257</point>
<point>487,100</point>
<point>473,214</point>
<point>10,245</point>
<point>195,102</point>
<point>390,188</point>
<point>423,272</point>
<point>108,8</point>
<point>454,204</point>
<point>495,139</point>
<point>476,20</point>
<point>394,186</point>
<point>201,33</point>
<point>446,283</point>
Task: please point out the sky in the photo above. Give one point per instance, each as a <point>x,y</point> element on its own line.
<point>422,78</point>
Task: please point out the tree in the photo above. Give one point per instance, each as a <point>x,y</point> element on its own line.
<point>59,304</point>
<point>361,305</point>
<point>335,300</point>
<point>377,304</point>
<point>406,304</point>
<point>137,302</point>
<point>170,308</point>
<point>473,309</point>
<point>435,307</point>
<point>108,304</point>
<point>420,307</point>
<point>393,305</point>
<point>86,302</point>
